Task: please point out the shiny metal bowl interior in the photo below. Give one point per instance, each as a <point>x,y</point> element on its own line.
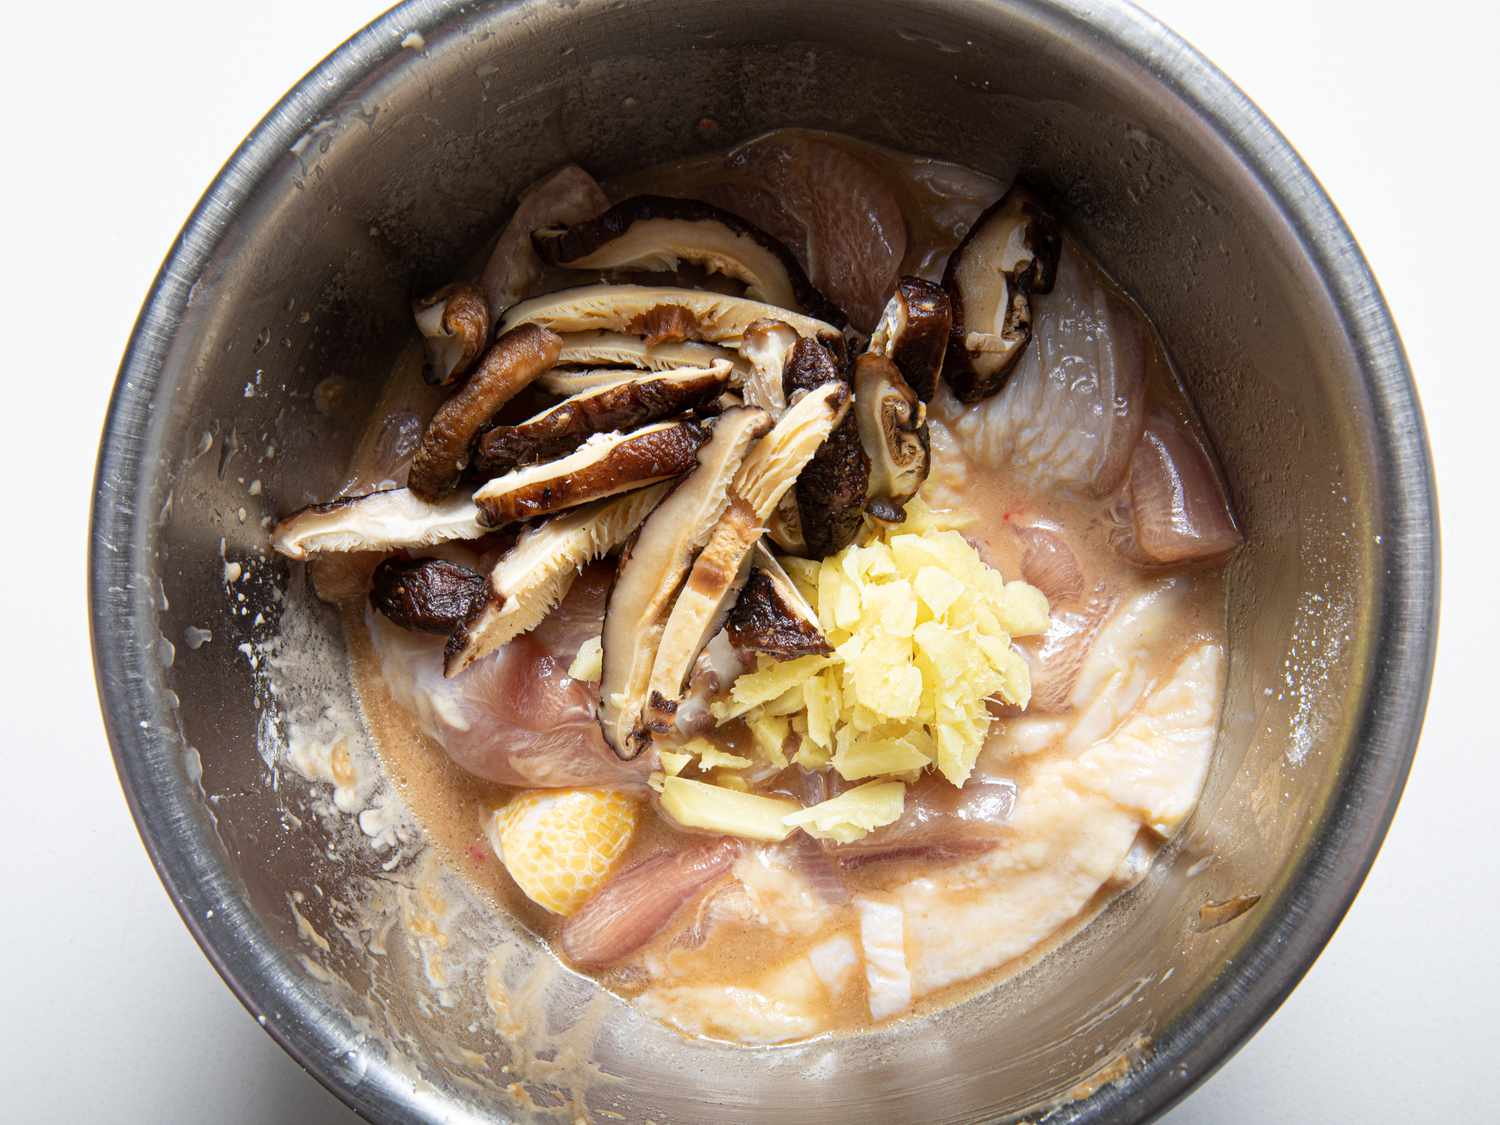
<point>390,163</point>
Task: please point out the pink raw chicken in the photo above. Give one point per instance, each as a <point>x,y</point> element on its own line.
<point>516,717</point>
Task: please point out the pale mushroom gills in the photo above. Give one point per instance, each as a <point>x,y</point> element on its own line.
<point>794,674</point>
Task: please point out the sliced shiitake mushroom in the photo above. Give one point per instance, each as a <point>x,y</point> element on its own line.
<point>767,346</point>
<point>511,363</point>
<point>784,525</point>
<point>455,323</point>
<point>391,520</point>
<point>658,313</point>
<point>605,465</point>
<point>622,405</point>
<point>720,570</point>
<point>893,430</point>
<point>569,381</point>
<point>652,568</point>
<point>568,195</point>
<point>536,574</point>
<point>619,349</point>
<point>656,232</point>
<point>427,595</point>
<point>831,492</point>
<point>913,333</point>
<point>772,616</point>
<point>1009,253</point>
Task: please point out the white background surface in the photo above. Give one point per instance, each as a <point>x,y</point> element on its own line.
<point>115,122</point>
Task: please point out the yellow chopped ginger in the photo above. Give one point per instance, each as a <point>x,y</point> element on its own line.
<point>588,664</point>
<point>921,629</point>
<point>853,813</point>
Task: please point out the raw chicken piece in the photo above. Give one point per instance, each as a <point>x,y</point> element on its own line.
<point>975,916</point>
<point>1072,412</point>
<point>1074,832</point>
<point>1050,564</point>
<point>515,717</point>
<point>790,1001</point>
<point>778,888</point>
<point>1155,764</point>
<point>1175,509</point>
<point>1089,675</point>
<point>1056,657</point>
<point>882,934</point>
<point>830,208</point>
<point>631,909</point>
<point>1116,671</point>
<point>938,823</point>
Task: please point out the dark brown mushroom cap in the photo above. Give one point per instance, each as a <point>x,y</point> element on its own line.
<point>831,490</point>
<point>1010,252</point>
<point>511,363</point>
<point>894,433</point>
<point>913,332</point>
<point>809,366</point>
<point>455,323</point>
<point>428,595</point>
<point>766,619</point>
<point>605,465</point>
<point>616,406</point>
<point>656,232</point>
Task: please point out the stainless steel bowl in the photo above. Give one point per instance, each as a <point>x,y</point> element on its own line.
<point>395,158</point>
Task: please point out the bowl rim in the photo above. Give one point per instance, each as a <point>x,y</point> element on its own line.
<point>1405,601</point>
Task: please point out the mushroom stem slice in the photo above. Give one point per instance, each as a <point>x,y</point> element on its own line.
<point>621,405</point>
<point>652,569</point>
<point>512,362</point>
<point>568,195</point>
<point>716,318</point>
<point>719,572</point>
<point>655,232</point>
<point>767,345</point>
<point>535,575</point>
<point>772,616</point>
<point>604,465</point>
<point>892,425</point>
<point>455,323</point>
<point>913,333</point>
<point>377,521</point>
<point>1009,253</point>
<point>427,595</point>
<point>830,495</point>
